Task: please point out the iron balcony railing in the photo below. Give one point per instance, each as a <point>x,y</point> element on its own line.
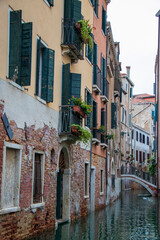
<point>105,87</point>
<point>131,170</point>
<point>67,117</point>
<point>103,139</point>
<point>96,76</point>
<point>96,134</point>
<point>71,37</point>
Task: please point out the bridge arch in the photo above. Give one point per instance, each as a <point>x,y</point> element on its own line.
<point>151,188</point>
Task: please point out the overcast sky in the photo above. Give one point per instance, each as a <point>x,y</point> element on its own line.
<point>135,26</point>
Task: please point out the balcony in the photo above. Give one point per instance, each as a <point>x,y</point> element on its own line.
<point>104,142</point>
<point>96,137</point>
<point>67,117</point>
<point>96,79</point>
<point>72,44</point>
<point>105,91</point>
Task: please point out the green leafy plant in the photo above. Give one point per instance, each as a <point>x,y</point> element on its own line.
<point>84,135</point>
<point>86,30</point>
<point>107,135</point>
<point>122,154</point>
<point>86,108</point>
<point>152,166</point>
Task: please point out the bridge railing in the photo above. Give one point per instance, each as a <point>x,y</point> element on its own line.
<point>131,170</point>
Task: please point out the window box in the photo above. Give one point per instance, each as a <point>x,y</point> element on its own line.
<point>79,111</point>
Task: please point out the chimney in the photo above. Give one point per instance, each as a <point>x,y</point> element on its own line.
<point>128,71</point>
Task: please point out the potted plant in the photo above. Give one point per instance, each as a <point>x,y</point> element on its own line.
<point>80,106</point>
<point>85,31</point>
<point>102,129</point>
<point>82,134</point>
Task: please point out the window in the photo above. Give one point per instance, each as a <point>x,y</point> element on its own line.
<point>132,134</point>
<point>143,156</point>
<point>103,20</point>
<point>11,177</point>
<point>136,136</point>
<point>140,157</point>
<point>103,76</point>
<point>20,49</point>
<point>123,114</point>
<point>94,119</point>
<point>140,137</point>
<point>44,72</point>
<point>126,117</point>
<point>88,99</point>
<point>143,138</point>
<point>136,155</point>
<point>147,140</point>
<point>101,181</point>
<point>114,108</point>
<point>113,181</point>
<point>130,120</point>
<point>86,191</point>
<point>38,177</point>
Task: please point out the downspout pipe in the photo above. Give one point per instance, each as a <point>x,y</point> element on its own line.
<point>158,15</point>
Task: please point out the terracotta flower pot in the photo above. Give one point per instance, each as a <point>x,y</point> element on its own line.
<point>79,111</point>
<point>75,130</point>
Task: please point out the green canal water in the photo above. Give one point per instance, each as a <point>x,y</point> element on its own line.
<point>132,217</point>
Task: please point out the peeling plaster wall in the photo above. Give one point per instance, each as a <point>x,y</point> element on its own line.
<point>21,108</point>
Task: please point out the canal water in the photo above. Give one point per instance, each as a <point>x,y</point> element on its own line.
<point>132,217</point>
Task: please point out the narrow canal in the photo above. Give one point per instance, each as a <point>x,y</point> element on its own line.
<point>132,217</point>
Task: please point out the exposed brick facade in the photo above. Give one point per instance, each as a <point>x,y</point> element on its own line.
<point>27,222</point>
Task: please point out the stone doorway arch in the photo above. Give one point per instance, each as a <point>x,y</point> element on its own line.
<point>63,186</point>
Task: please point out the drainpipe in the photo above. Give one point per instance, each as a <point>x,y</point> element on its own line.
<point>158,15</point>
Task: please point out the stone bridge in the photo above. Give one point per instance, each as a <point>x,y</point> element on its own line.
<point>143,178</point>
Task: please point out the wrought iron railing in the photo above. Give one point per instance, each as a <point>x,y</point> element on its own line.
<point>105,88</point>
<point>66,118</point>
<point>97,76</point>
<point>96,134</point>
<point>103,139</point>
<point>131,170</point>
<point>71,37</point>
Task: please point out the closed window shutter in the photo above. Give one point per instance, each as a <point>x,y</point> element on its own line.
<point>68,5</point>
<point>101,75</point>
<point>114,115</point>
<point>120,92</point>
<point>37,65</point>
<point>104,76</point>
<point>66,85</point>
<point>96,7</point>
<point>75,84</point>
<point>76,10</point>
<point>89,116</point>
<point>103,114</point>
<point>26,52</point>
<point>50,2</point>
<point>104,20</point>
<point>15,46</point>
<point>89,54</point>
<point>95,53</point>
<point>131,92</point>
<point>94,114</point>
<point>95,69</point>
<point>130,120</point>
<point>47,75</point>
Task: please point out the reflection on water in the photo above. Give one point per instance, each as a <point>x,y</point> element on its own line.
<point>129,218</point>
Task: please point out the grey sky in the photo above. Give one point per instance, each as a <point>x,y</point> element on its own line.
<point>135,26</point>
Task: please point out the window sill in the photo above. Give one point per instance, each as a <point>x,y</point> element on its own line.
<point>101,193</point>
<point>16,85</point>
<point>37,205</point>
<point>41,100</point>
<point>9,210</point>
<point>86,196</point>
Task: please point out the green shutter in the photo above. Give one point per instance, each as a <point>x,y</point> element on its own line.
<point>75,84</point>
<point>15,45</point>
<point>50,2</point>
<point>37,65</point>
<point>26,52</point>
<point>95,53</point>
<point>101,75</point>
<point>68,9</point>
<point>66,85</point>
<point>131,92</point>
<point>120,92</point>
<point>76,10</point>
<point>114,115</point>
<point>104,20</point>
<point>94,114</point>
<point>104,76</point>
<point>89,116</point>
<point>103,114</point>
<point>47,75</point>
<point>96,7</point>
